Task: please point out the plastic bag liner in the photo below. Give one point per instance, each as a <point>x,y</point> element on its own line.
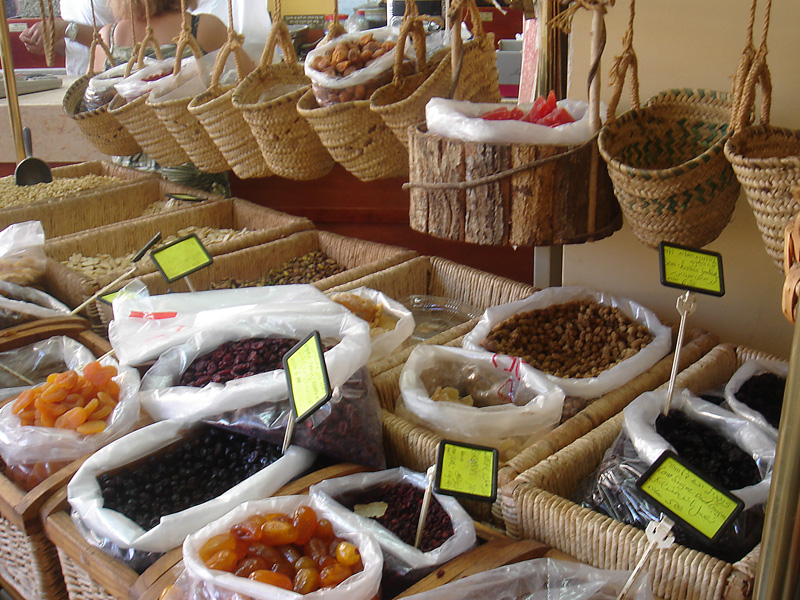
<point>610,379</point>
<point>142,81</point>
<point>164,398</point>
<point>193,78</point>
<point>514,404</point>
<point>461,120</point>
<point>384,340</point>
<point>611,489</point>
<point>399,558</point>
<point>22,258</point>
<point>199,581</point>
<point>35,361</point>
<point>541,579</point>
<point>751,368</point>
<point>100,90</point>
<point>30,444</point>
<point>348,427</point>
<point>83,491</point>
<point>20,304</point>
<point>145,326</point>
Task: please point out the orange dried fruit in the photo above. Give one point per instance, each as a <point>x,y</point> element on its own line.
<point>91,427</point>
<point>71,419</point>
<point>23,401</point>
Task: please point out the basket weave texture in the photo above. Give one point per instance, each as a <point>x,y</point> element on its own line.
<point>288,144</point>
<point>677,573</point>
<point>102,129</point>
<point>29,562</point>
<point>668,168</point>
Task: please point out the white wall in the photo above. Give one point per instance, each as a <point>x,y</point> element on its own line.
<point>696,44</point>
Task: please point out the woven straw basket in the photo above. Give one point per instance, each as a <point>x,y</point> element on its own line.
<point>289,145</point>
<point>223,122</point>
<point>99,126</point>
<point>667,165</point>
<point>181,124</point>
<point>542,494</point>
<point>401,103</point>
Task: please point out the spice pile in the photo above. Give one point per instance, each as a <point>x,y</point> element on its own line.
<point>308,268</point>
<point>12,194</point>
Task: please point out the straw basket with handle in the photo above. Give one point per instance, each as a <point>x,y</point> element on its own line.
<point>175,116</point>
<point>100,127</point>
<point>666,160</point>
<point>766,159</point>
<point>138,117</point>
<point>356,138</point>
<point>225,124</point>
<point>525,194</point>
<point>289,145</point>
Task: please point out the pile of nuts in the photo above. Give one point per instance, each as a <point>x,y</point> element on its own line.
<point>345,58</point>
<point>161,206</point>
<point>308,268</point>
<point>12,194</point>
<point>104,266</point>
<point>26,271</point>
<point>580,338</point>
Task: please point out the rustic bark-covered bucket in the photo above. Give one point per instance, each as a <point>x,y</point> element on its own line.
<point>499,194</point>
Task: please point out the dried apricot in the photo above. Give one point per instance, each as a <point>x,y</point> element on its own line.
<point>272,578</point>
<point>71,419</point>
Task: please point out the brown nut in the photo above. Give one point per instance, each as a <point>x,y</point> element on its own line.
<point>339,53</point>
<point>349,70</point>
<point>360,92</point>
<point>341,67</point>
<point>346,95</point>
<point>365,39</point>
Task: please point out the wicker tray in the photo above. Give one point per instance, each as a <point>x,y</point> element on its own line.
<point>545,513</point>
<point>87,210</point>
<point>359,257</point>
<point>90,574</point>
<point>434,276</point>
<point>28,562</point>
<point>73,287</point>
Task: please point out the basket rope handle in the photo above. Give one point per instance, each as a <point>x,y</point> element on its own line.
<point>48,30</point>
<point>456,14</point>
<point>232,45</point>
<point>336,29</point>
<point>185,38</point>
<point>412,25</point>
<point>279,36</point>
<point>624,64</point>
<point>140,48</point>
<point>756,74</point>
<point>97,40</point>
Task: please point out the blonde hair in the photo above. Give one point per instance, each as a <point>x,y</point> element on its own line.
<point>122,8</point>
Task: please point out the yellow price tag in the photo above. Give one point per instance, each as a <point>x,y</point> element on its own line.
<point>466,471</point>
<point>181,258</point>
<point>687,496</point>
<point>691,269</point>
<point>307,376</point>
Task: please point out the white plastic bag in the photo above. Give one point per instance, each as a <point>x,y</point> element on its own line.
<point>749,369</point>
<point>86,499</point>
<point>383,339</point>
<point>399,558</point>
<point>163,398</point>
<point>587,387</point>
<point>514,405</point>
<point>541,579</point>
<point>461,120</point>
<point>208,583</point>
<point>19,304</point>
<point>31,444</point>
<point>142,81</point>
<point>22,258</point>
<point>145,326</point>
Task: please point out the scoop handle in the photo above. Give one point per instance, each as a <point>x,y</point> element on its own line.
<point>26,141</point>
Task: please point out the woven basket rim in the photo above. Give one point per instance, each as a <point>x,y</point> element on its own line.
<point>203,100</point>
<point>326,111</point>
<point>733,147</point>
<point>71,108</point>
<point>257,77</point>
<point>129,104</point>
<point>611,129</point>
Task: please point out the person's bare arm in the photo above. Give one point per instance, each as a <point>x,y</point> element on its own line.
<point>33,36</point>
<point>211,33</point>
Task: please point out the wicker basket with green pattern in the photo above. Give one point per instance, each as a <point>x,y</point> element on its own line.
<point>666,160</point>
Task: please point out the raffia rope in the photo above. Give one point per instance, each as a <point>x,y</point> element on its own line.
<point>563,20</point>
<point>97,40</point>
<point>48,30</point>
<point>623,64</point>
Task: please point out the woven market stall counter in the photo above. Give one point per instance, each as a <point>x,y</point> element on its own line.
<point>544,511</point>
<point>28,563</point>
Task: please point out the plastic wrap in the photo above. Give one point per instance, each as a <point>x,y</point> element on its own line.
<point>22,258</point>
<point>348,427</point>
<point>20,304</point>
<point>461,120</point>
<point>198,581</point>
<point>142,81</point>
<point>384,339</point>
<point>541,579</point>
<point>193,78</point>
<point>145,326</point>
<point>30,444</point>
<point>611,489</point>
<point>115,529</point>
<point>35,361</point>
<point>514,405</point>
<point>587,387</point>
<point>100,90</point>
<point>163,398</point>
<point>750,369</point>
<point>400,559</point>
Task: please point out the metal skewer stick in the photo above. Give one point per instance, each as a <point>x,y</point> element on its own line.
<point>658,536</point>
<point>426,503</point>
<point>686,305</point>
<point>103,290</point>
<point>19,376</point>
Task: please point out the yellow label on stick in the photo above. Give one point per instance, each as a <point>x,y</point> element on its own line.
<point>181,258</point>
<point>691,269</point>
<point>307,376</point>
<point>689,497</point>
<point>466,470</point>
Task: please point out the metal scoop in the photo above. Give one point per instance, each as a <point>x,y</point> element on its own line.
<point>31,170</point>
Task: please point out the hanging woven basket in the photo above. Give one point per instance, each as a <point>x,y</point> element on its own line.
<point>288,144</point>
